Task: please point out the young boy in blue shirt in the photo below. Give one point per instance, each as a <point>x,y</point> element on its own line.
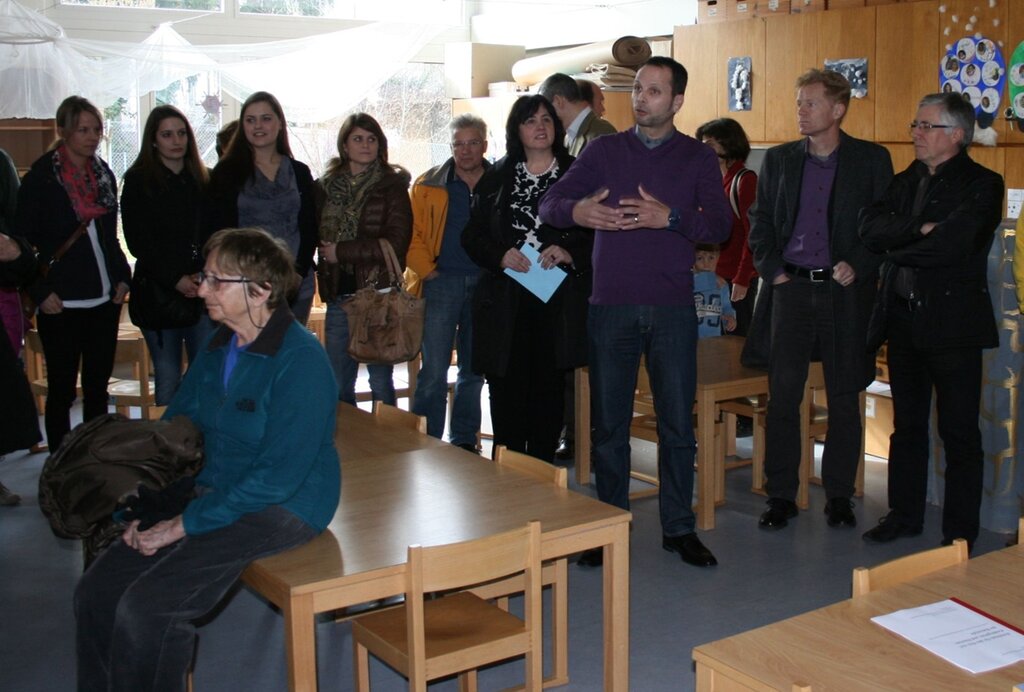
<point>715,313</point>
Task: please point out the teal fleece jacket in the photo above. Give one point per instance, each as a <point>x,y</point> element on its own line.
<point>269,435</point>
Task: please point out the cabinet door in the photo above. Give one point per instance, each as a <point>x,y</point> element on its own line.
<point>851,34</point>
<point>906,65</point>
<point>791,47</point>
<point>743,39</point>
<point>696,47</point>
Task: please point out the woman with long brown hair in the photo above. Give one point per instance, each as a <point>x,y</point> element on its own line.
<point>259,183</point>
<point>366,199</point>
<point>160,207</point>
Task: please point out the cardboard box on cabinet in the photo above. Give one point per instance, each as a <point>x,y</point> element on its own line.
<point>801,6</point>
<point>710,11</point>
<point>770,8</point>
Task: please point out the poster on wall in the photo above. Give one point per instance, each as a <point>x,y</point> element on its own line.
<point>739,84</point>
<point>856,72</point>
<point>974,67</point>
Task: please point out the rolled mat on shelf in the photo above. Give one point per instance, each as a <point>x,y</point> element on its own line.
<point>627,50</point>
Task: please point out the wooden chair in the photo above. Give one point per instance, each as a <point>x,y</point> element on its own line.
<point>889,574</point>
<point>35,368</point>
<point>458,632</point>
<point>1020,531</point>
<point>136,390</point>
<point>813,426</point>
<point>554,573</point>
<point>396,416</point>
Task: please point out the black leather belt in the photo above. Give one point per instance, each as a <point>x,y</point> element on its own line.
<point>815,276</point>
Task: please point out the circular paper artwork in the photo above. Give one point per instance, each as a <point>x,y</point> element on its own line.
<point>975,68</point>
<point>1017,82</point>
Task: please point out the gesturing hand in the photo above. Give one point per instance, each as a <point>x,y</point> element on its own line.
<point>589,212</point>
<point>647,211</point>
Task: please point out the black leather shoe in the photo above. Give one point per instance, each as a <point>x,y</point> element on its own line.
<point>690,549</point>
<point>890,527</point>
<point>591,558</point>
<point>566,450</point>
<point>778,514</point>
<point>839,511</point>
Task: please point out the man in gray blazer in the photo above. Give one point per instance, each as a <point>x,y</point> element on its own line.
<point>820,283</point>
<point>580,123</point>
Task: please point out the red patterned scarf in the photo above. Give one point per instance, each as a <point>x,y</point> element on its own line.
<point>90,189</point>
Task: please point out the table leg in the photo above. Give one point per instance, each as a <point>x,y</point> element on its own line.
<point>582,378</point>
<point>706,463</point>
<point>616,611</point>
<point>300,643</point>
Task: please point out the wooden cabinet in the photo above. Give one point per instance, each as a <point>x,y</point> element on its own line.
<point>26,140</point>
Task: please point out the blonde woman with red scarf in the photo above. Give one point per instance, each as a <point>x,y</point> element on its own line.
<point>67,209</point>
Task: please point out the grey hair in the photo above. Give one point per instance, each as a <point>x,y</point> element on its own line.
<point>956,111</point>
<point>468,120</point>
<point>562,85</point>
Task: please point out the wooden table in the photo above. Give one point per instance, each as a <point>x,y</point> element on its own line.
<point>839,648</point>
<point>400,487</point>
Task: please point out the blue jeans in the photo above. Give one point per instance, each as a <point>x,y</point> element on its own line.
<point>449,320</point>
<point>165,349</point>
<point>135,614</point>
<point>346,369</point>
<point>666,335</point>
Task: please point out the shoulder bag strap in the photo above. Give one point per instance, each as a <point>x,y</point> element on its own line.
<point>391,259</point>
<point>45,269</point>
<point>734,190</point>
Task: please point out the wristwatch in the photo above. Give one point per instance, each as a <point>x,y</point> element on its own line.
<point>673,219</point>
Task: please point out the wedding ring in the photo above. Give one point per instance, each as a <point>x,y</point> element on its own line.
<point>636,218</point>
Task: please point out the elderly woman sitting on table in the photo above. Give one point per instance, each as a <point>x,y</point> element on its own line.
<point>263,395</point>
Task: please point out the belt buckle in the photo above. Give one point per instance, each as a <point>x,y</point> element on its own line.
<point>817,276</point>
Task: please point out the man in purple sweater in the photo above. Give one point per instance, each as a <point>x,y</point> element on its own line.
<point>651,194</point>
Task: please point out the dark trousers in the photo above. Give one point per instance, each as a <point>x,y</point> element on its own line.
<point>955,374</point>
<point>86,335</point>
<point>745,308</point>
<point>134,614</point>
<point>802,325</point>
<point>526,401</point>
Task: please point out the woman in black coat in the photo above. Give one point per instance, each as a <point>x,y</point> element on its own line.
<point>522,344</point>
<point>259,184</point>
<point>67,209</point>
<point>160,207</point>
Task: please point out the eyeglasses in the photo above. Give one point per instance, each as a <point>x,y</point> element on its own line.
<point>472,143</point>
<point>215,282</point>
<point>925,126</point>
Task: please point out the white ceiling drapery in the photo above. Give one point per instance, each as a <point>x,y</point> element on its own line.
<point>317,78</point>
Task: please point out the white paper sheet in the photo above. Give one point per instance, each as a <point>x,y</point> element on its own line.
<point>960,633</point>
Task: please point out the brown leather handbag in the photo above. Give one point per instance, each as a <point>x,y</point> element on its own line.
<point>385,324</point>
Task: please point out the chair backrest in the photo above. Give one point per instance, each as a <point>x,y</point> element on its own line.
<point>396,416</point>
<point>889,574</point>
<point>1020,531</point>
<point>458,565</point>
<point>532,466</point>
